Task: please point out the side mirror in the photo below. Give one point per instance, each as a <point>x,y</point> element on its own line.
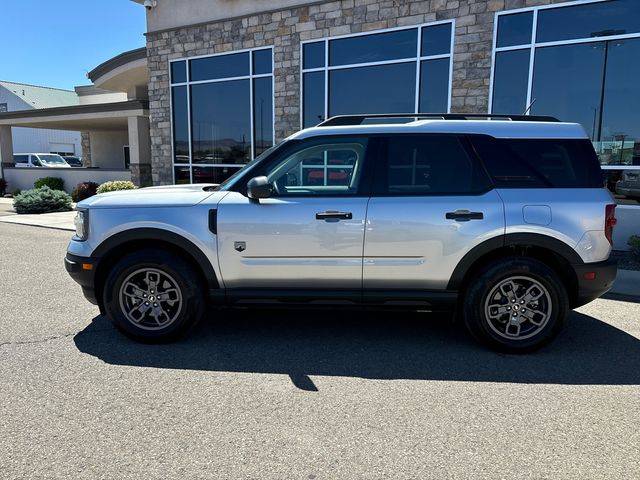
<point>259,187</point>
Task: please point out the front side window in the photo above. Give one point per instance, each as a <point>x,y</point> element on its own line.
<point>428,165</point>
<point>222,113</point>
<point>319,167</point>
<point>404,70</point>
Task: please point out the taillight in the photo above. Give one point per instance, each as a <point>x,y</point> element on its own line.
<point>609,221</point>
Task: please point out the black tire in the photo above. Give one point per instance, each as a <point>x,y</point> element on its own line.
<point>178,293</point>
<point>488,295</point>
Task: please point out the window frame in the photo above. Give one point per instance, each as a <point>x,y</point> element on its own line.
<point>188,83</point>
<point>533,45</point>
<point>417,59</point>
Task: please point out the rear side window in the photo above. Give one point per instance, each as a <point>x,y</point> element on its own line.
<point>540,163</point>
<point>428,165</point>
<point>20,158</point>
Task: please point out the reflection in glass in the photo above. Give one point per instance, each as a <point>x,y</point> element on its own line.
<point>262,62</point>
<point>368,89</point>
<point>510,78</point>
<point>514,29</point>
<point>434,86</point>
<point>590,20</point>
<point>212,174</point>
<point>624,185</point>
<point>222,66</point>
<point>313,55</point>
<point>373,48</point>
<point>182,174</point>
<point>566,85</point>
<point>313,99</point>
<point>221,122</point>
<point>180,125</point>
<point>262,114</point>
<point>621,106</point>
<point>436,40</point>
<point>178,72</point>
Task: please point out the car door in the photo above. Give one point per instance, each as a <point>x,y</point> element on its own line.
<point>309,234</point>
<point>432,202</point>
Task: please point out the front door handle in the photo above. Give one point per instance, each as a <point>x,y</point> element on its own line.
<point>464,215</point>
<point>334,215</point>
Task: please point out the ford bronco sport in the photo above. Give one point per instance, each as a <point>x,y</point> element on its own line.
<point>504,220</point>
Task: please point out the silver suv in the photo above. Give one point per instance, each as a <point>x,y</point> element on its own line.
<point>504,220</point>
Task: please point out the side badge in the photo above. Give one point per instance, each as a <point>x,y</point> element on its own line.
<point>240,246</point>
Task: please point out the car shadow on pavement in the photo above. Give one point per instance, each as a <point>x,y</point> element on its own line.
<point>367,345</point>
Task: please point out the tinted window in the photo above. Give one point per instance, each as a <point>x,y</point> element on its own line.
<point>313,99</point>
<point>21,158</point>
<point>178,72</point>
<point>436,40</point>
<point>223,66</point>
<point>373,48</point>
<point>434,86</point>
<point>262,62</point>
<point>262,114</point>
<point>428,165</point>
<point>599,19</point>
<point>510,78</point>
<point>180,125</point>
<point>565,86</point>
<point>221,122</point>
<point>212,174</point>
<point>313,55</point>
<point>514,29</point>
<point>379,89</point>
<point>535,163</point>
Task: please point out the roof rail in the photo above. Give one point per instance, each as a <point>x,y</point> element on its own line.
<point>359,119</point>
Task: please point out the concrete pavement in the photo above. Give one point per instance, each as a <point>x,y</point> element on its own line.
<point>313,395</point>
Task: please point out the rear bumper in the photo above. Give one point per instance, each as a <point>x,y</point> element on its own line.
<point>603,279</point>
<point>76,267</point>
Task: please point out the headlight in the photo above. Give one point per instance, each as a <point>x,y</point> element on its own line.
<point>82,225</point>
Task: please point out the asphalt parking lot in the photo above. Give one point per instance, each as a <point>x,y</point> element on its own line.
<point>308,395</point>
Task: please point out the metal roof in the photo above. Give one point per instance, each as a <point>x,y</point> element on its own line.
<point>41,97</point>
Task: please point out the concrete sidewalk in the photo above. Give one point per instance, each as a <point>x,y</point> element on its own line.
<point>627,281</point>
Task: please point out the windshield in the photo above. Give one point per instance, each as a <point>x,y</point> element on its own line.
<point>52,159</point>
<point>232,179</point>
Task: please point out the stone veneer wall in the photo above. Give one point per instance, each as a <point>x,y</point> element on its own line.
<point>285,29</point>
<point>86,148</point>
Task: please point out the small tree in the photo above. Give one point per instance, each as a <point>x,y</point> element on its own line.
<point>84,190</point>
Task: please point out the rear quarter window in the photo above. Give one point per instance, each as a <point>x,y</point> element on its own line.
<point>540,163</point>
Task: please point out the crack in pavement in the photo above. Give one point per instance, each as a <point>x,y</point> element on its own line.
<point>55,337</point>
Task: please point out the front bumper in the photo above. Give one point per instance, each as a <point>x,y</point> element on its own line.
<point>78,269</point>
<point>604,275</point>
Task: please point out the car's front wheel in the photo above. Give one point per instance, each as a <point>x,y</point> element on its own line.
<point>153,295</point>
<point>515,304</point>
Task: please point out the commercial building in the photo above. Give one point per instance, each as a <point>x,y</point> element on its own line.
<point>228,79</point>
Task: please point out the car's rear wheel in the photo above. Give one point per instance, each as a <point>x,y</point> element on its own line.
<point>153,295</point>
<point>515,304</point>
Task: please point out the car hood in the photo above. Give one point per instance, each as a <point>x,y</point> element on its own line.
<point>167,196</point>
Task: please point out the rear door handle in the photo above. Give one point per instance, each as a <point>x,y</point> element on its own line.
<point>334,215</point>
<point>464,215</point>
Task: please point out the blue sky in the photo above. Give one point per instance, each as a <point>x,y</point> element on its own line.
<point>55,42</point>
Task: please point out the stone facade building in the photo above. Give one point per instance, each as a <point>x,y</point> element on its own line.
<point>500,70</point>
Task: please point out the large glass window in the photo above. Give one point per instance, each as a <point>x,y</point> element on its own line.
<point>405,70</point>
<point>577,63</point>
<point>222,113</point>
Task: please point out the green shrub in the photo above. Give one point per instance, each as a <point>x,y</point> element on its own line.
<point>634,243</point>
<point>53,183</point>
<point>16,192</point>
<point>84,190</point>
<point>116,185</point>
<point>42,200</point>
